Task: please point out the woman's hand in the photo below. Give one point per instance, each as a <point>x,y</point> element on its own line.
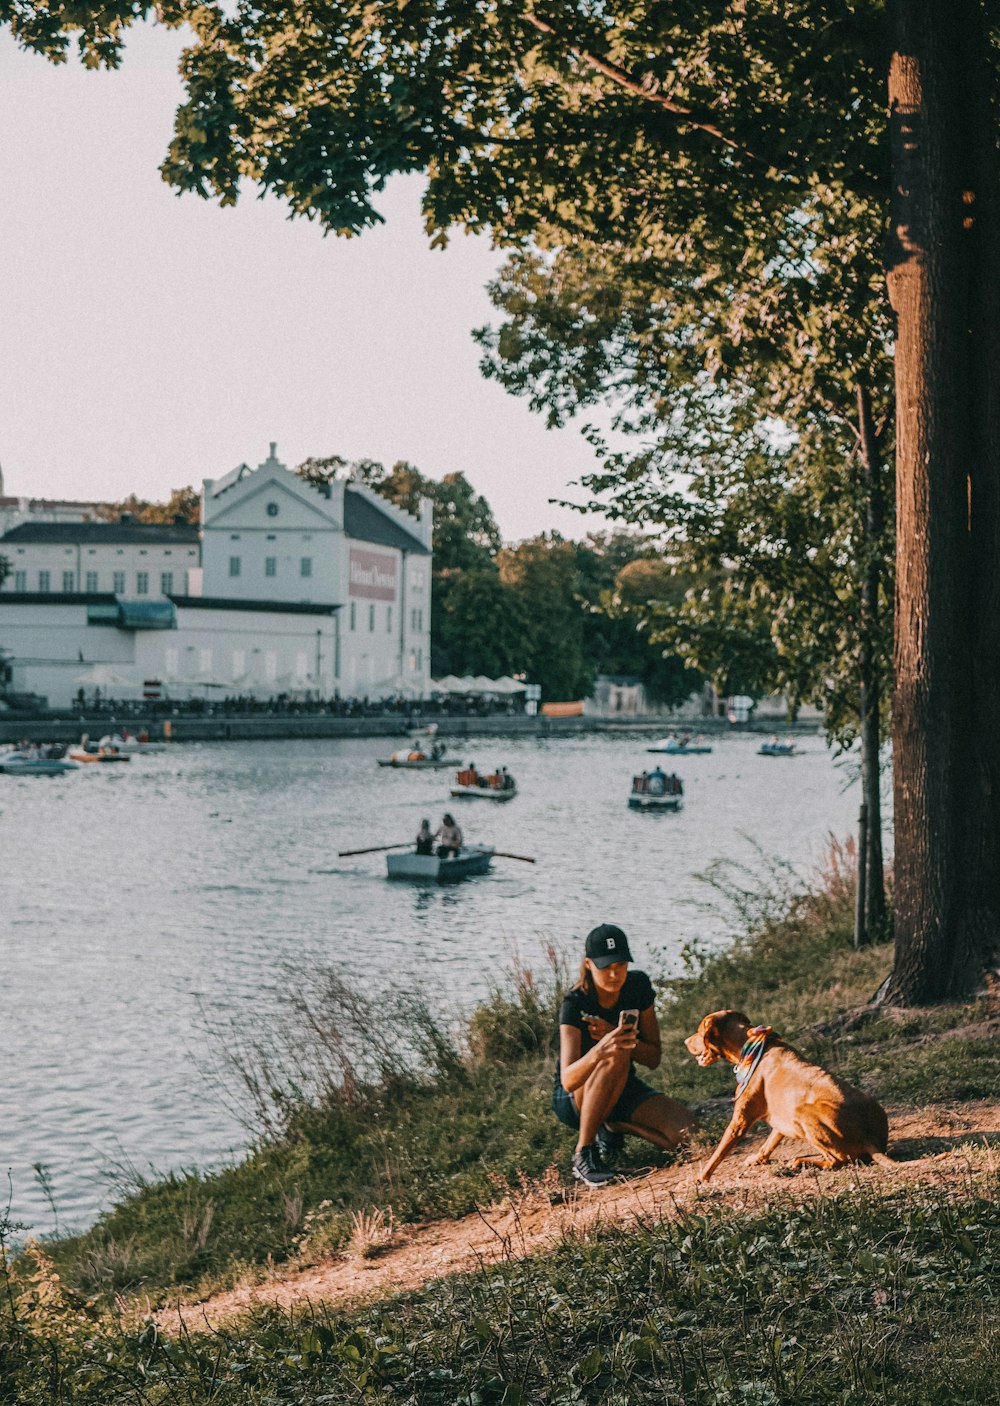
<point>618,1039</point>
<point>597,1027</point>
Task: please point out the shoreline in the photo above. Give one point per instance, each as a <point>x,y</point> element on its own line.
<point>250,727</point>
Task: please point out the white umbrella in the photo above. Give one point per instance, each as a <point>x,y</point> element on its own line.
<point>107,676</point>
<point>481,684</point>
<point>449,684</point>
<point>505,684</point>
<point>397,684</point>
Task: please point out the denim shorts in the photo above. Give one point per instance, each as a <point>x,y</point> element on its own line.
<point>634,1093</point>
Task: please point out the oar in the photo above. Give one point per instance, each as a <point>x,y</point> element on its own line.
<point>502,854</point>
<point>373,849</point>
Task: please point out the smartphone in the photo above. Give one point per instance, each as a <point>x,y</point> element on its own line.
<point>629,1018</point>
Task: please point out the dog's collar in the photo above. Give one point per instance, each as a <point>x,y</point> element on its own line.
<point>750,1055</point>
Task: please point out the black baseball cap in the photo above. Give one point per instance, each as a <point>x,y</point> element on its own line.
<point>607,944</point>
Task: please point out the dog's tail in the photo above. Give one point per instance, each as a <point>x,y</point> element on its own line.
<point>883,1160</point>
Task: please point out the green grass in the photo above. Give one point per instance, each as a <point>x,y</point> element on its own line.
<point>466,1119</point>
<point>865,1298</point>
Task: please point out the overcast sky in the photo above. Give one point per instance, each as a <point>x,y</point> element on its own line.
<point>150,341</point>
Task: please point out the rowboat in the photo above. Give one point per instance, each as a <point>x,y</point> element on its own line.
<point>637,801</point>
<point>776,749</point>
<point>656,791</point>
<point>471,784</point>
<point>674,747</point>
<point>28,764</point>
<point>404,761</point>
<point>485,793</point>
<point>474,859</point>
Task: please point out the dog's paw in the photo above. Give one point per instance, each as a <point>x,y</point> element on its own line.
<point>756,1159</point>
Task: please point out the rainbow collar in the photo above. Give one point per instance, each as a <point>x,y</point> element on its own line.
<point>750,1055</point>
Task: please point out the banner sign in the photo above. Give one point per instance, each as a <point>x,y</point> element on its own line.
<point>372,575</point>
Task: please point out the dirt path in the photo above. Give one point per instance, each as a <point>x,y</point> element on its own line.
<point>928,1142</point>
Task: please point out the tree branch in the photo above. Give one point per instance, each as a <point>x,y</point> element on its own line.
<point>625,80</point>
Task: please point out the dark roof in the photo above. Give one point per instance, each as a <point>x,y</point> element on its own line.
<point>272,607</point>
<point>95,533</point>
<point>364,520</point>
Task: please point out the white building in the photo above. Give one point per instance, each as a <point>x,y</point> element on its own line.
<point>285,588</point>
<point>269,535</point>
<point>124,558</point>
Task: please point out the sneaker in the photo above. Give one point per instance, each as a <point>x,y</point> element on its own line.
<point>587,1167</point>
<point>609,1143</point>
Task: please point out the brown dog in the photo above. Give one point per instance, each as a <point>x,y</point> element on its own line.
<point>798,1099</point>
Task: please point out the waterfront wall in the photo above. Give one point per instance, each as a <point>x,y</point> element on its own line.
<point>237,727</point>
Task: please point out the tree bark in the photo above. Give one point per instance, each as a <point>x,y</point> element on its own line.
<point>871,877</point>
<point>947,560</point>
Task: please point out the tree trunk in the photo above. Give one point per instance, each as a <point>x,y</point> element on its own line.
<point>945,800</point>
<point>871,877</point>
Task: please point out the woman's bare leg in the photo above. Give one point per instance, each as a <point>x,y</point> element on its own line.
<point>660,1120</point>
<point>600,1094</point>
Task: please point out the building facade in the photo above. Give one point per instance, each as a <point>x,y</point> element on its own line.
<point>283,588</point>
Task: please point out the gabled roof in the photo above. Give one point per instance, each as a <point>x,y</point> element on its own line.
<point>95,533</point>
<point>362,519</point>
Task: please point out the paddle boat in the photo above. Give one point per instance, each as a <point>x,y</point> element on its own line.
<point>138,746</point>
<point>472,860</point>
<point>498,786</point>
<point>680,746</point>
<point>776,748</point>
<point>102,751</point>
<point>413,759</point>
<point>34,762</point>
<point>656,791</point>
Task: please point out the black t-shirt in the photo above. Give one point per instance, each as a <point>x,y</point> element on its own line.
<point>636,995</point>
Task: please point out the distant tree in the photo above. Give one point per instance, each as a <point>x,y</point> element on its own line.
<point>465,530</point>
<point>544,574</point>
<point>479,625</point>
<point>621,580</point>
<point>184,505</point>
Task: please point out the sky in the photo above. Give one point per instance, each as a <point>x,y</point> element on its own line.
<point>148,341</point>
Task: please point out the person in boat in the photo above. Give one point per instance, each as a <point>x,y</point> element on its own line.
<point>425,838</point>
<point>450,836</point>
<point>596,1091</point>
<point>437,751</point>
<point>656,783</point>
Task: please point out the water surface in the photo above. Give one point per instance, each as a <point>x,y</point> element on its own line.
<point>137,900</point>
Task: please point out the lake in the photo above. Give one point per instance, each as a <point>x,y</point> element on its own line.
<point>141,901</point>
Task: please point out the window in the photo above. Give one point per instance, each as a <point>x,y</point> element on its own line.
<point>118,582</point>
<point>170,662</point>
<point>301,666</point>
<point>20,580</point>
<point>271,537</point>
<point>272,510</point>
<point>43,581</point>
<point>371,618</point>
<point>270,566</point>
<point>167,582</point>
<point>234,566</point>
<point>239,664</point>
<point>388,619</point>
<point>91,583</point>
<point>234,536</point>
<point>354,615</point>
<point>306,566</point>
<point>69,582</point>
<point>205,661</point>
<point>142,583</point>
<point>420,659</point>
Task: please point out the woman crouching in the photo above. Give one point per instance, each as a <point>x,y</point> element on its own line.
<point>605,1023</point>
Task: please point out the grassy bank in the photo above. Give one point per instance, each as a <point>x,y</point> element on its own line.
<point>348,1132</point>
<point>872,1292</point>
<point>870,1299</point>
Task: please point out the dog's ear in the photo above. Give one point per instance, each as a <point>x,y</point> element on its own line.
<point>722,1030</point>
